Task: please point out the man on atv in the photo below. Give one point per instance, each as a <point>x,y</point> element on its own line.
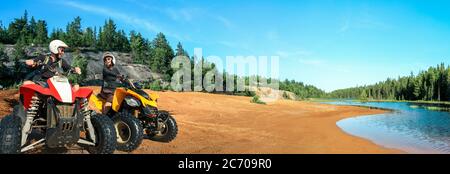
<point>110,77</point>
<point>46,65</point>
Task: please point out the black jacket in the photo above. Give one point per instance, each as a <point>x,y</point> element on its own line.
<point>110,82</point>
<point>46,72</point>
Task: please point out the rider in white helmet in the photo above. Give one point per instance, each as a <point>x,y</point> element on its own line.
<point>57,48</point>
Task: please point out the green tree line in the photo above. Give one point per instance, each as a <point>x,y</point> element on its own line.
<point>157,53</point>
<point>301,90</point>
<point>430,85</point>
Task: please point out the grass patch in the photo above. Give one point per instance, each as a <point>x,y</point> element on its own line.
<point>154,86</point>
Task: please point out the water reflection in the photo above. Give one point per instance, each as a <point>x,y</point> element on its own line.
<point>410,127</point>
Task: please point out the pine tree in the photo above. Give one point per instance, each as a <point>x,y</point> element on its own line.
<point>180,51</point>
<point>89,39</point>
<point>57,34</point>
<point>107,37</point>
<point>162,55</point>
<point>417,89</point>
<point>17,29</point>
<point>74,33</point>
<point>440,82</point>
<point>99,40</point>
<point>31,31</point>
<point>123,44</point>
<point>3,34</point>
<point>448,84</point>
<point>41,33</point>
<point>138,48</point>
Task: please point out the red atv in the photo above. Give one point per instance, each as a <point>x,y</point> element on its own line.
<point>59,115</point>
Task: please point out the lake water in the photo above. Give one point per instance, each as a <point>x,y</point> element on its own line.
<point>411,127</point>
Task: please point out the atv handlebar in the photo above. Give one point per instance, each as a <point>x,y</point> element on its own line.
<point>128,83</point>
<point>57,71</point>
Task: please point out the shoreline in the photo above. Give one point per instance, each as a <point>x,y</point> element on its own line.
<point>296,127</point>
<point>445,103</point>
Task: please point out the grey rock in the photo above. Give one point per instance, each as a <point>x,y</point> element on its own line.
<point>124,63</point>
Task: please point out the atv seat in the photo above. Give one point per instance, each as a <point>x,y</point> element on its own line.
<point>105,96</point>
<point>101,96</point>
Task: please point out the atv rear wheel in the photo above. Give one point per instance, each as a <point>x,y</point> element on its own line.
<point>129,131</point>
<point>105,135</point>
<point>166,131</point>
<point>10,135</point>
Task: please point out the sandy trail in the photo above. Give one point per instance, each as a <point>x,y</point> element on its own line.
<point>212,123</point>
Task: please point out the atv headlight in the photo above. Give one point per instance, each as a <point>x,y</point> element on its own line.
<point>132,101</point>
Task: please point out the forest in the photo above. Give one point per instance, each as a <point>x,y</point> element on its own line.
<point>155,53</point>
<point>430,85</point>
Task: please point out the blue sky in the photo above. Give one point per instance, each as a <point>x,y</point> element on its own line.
<point>331,44</point>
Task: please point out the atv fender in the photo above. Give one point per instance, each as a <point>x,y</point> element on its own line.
<point>82,93</point>
<point>97,103</point>
<point>28,91</point>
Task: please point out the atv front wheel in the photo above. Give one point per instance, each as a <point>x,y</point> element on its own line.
<point>10,135</point>
<point>129,131</point>
<point>166,131</point>
<point>105,135</point>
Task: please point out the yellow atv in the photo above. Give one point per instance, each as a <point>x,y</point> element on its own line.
<point>135,112</point>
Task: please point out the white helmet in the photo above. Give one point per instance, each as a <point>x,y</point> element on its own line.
<point>55,44</point>
<point>108,54</point>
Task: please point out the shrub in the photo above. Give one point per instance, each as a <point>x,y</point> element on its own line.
<point>81,62</point>
<point>286,96</point>
<point>155,86</point>
<point>257,100</point>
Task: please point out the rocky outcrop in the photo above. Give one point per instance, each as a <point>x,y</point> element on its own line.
<point>269,95</point>
<point>124,63</point>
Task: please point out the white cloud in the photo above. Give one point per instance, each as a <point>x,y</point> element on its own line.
<point>185,14</point>
<point>182,14</point>
<point>362,20</point>
<point>135,21</point>
<point>298,53</point>
<point>226,22</point>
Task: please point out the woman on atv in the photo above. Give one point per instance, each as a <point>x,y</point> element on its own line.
<point>110,76</point>
<point>46,65</point>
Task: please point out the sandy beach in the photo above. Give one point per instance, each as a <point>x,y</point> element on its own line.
<point>222,124</point>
